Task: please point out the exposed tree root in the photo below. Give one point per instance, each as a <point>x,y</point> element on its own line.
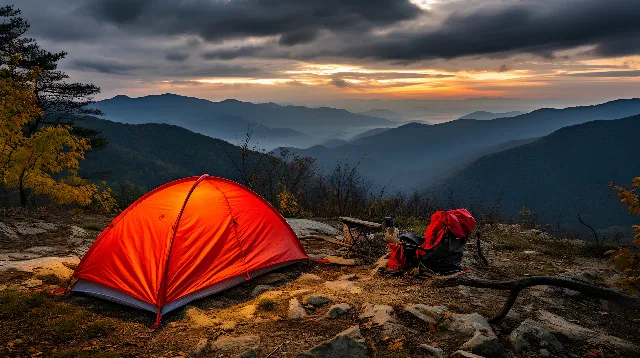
<point>517,285</point>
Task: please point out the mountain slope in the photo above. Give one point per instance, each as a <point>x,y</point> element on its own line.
<point>415,153</point>
<point>486,116</point>
<point>152,154</point>
<point>229,119</point>
<point>559,175</point>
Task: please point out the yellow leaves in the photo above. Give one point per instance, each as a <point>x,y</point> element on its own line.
<point>288,204</point>
<point>624,259</point>
<point>46,162</point>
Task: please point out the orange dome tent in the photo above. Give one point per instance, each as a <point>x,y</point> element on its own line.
<point>185,240</point>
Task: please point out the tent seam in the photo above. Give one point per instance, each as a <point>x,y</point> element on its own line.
<point>163,278</point>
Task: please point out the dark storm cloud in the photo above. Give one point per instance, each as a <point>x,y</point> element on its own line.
<point>539,27</point>
<point>296,21</point>
<point>177,56</point>
<point>113,67</point>
<point>231,53</point>
<point>104,66</point>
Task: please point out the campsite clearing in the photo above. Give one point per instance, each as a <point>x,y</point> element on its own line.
<point>38,319</point>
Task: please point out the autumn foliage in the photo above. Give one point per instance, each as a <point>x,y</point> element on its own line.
<point>36,157</point>
<point>626,259</point>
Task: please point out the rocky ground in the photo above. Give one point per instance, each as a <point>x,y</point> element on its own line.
<point>312,309</point>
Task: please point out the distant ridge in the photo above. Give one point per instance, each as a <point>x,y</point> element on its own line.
<point>485,116</point>
<point>557,176</point>
<point>415,154</point>
<point>231,119</point>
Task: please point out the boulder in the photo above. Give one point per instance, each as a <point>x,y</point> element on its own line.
<point>260,289</point>
<point>431,351</point>
<point>338,310</point>
<point>428,314</point>
<point>295,310</point>
<point>317,301</point>
<point>346,344</point>
<point>484,344</point>
<point>240,345</point>
<point>483,340</point>
<point>531,336</point>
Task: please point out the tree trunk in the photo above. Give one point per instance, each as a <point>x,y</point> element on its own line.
<point>23,192</point>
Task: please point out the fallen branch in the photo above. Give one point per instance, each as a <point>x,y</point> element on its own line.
<point>517,285</point>
<point>479,248</point>
<point>325,238</point>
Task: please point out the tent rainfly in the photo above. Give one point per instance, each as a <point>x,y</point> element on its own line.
<point>185,240</point>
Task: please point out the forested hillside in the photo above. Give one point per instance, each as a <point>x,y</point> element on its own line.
<point>152,154</point>
<point>557,176</point>
<point>416,154</point>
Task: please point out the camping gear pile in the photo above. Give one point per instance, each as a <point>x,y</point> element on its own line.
<point>439,251</point>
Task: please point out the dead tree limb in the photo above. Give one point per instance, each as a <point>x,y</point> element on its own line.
<point>479,247</point>
<point>517,285</point>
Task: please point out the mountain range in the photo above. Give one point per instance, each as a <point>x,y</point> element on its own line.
<point>485,116</point>
<point>558,176</point>
<point>272,125</point>
<point>416,155</point>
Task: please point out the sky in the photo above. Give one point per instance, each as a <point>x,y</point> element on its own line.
<point>296,51</point>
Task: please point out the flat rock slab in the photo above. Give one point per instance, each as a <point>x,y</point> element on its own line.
<point>532,336</point>
<point>338,310</point>
<point>345,286</point>
<point>296,311</point>
<point>428,314</point>
<point>304,227</point>
<point>378,314</point>
<point>559,325</point>
<point>238,344</point>
<point>346,344</point>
